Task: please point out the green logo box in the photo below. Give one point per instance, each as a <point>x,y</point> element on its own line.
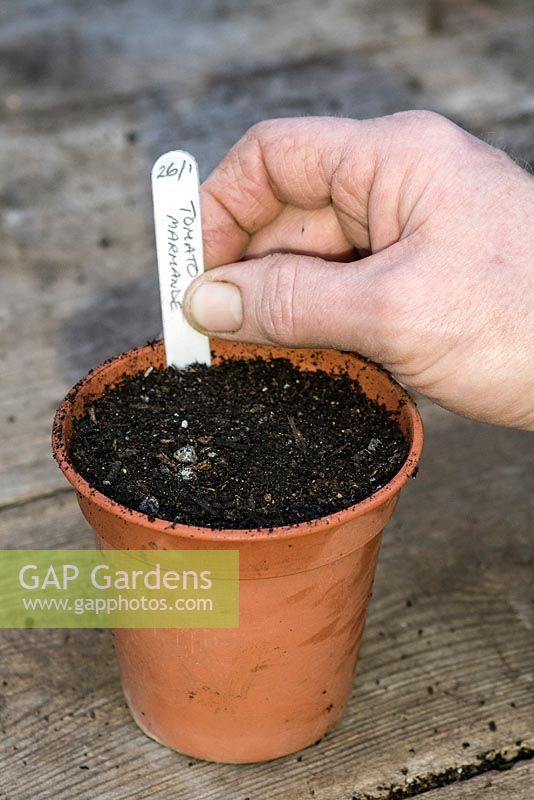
<point>119,588</point>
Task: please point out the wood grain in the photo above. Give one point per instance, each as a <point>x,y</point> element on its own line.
<point>91,94</point>
<point>514,785</point>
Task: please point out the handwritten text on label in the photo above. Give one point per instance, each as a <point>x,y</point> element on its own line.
<point>179,246</point>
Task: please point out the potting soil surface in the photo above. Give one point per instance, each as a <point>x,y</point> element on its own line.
<point>241,444</point>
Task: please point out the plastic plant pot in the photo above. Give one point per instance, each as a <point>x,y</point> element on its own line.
<point>280,680</point>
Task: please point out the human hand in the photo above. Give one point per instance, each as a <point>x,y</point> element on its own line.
<point>403,238</point>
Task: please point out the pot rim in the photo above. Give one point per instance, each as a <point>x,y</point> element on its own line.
<point>378,498</point>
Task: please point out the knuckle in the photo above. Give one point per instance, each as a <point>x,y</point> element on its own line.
<point>431,125</point>
<point>393,308</point>
<point>276,309</point>
<point>252,134</point>
<point>423,118</point>
<point>388,309</point>
<point>257,131</point>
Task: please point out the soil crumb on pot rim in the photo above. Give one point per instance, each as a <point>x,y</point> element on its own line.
<point>241,444</point>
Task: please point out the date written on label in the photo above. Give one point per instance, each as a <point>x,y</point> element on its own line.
<point>172,171</point>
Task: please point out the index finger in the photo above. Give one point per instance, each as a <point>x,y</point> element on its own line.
<point>277,162</point>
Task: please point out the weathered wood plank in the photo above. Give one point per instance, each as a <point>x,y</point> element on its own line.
<point>468,57</point>
<point>448,650</point>
<point>474,76</point>
<point>91,94</point>
<point>81,52</point>
<point>514,785</point>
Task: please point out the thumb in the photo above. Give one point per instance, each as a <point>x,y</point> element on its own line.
<point>295,301</point>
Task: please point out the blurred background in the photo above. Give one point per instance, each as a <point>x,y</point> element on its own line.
<point>91,93</point>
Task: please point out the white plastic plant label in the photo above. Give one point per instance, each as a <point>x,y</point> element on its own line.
<point>175,192</point>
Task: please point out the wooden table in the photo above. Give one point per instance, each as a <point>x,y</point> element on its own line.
<point>90,94</point>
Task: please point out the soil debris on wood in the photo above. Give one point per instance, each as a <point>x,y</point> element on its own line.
<point>264,444</point>
<point>420,785</point>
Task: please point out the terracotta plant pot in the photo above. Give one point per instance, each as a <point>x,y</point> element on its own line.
<point>281,679</point>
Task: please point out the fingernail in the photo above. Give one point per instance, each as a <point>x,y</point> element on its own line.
<point>216,307</point>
